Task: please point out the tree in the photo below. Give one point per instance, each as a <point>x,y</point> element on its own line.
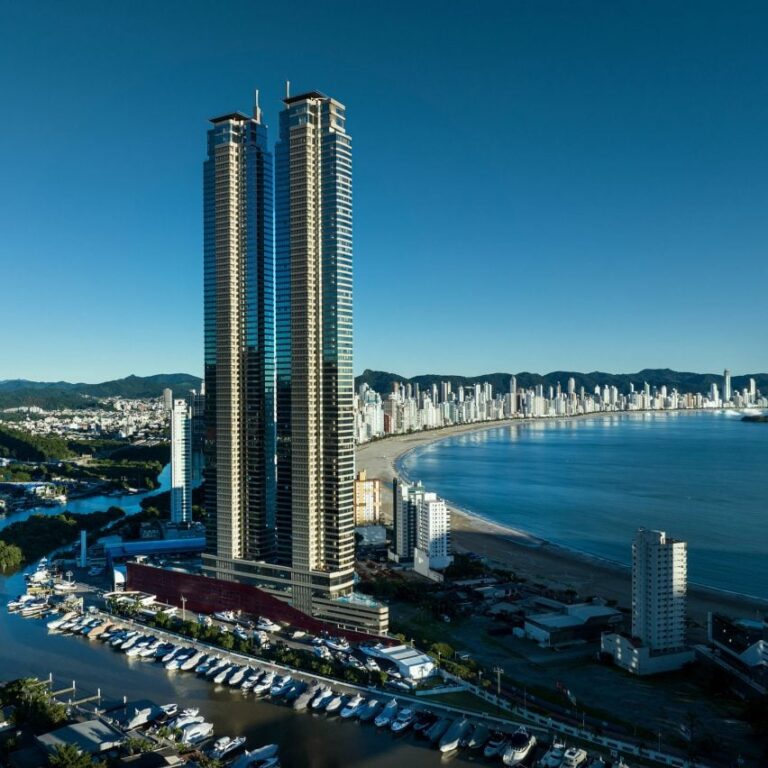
<point>11,556</point>
<point>69,756</point>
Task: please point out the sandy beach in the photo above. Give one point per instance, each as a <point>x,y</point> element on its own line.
<point>532,558</point>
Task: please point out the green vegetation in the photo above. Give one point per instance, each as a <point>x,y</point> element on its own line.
<point>69,756</point>
<point>41,534</point>
<point>33,706</point>
<point>11,557</point>
<point>20,445</point>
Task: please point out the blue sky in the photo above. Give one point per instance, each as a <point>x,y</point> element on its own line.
<point>538,185</point>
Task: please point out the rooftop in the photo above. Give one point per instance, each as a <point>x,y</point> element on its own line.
<point>231,116</point>
<point>91,737</point>
<point>288,100</point>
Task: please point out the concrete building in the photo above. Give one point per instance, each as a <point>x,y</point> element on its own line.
<point>367,500</point>
<point>406,501</point>
<point>570,624</point>
<point>727,393</point>
<point>659,592</point>
<point>181,462</point>
<point>433,531</point>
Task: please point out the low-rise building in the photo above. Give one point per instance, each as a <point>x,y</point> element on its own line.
<point>583,622</point>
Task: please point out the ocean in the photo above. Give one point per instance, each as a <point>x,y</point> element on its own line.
<point>589,483</point>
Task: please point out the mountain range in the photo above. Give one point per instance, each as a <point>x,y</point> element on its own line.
<point>64,394</point>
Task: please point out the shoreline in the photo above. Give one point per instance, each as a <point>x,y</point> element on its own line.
<point>530,556</point>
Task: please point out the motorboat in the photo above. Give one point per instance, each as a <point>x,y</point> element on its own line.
<point>223,673</point>
<point>194,733</point>
<point>240,633</point>
<point>172,651</point>
<point>338,644</point>
<point>214,670</point>
<point>519,747</point>
<point>226,745</point>
<point>148,651</point>
<point>368,710</point>
<point>479,737</point>
<point>496,745</point>
<point>261,637</point>
<point>141,717</point>
<point>453,736</point>
<point>204,665</point>
<point>267,625</point>
<point>437,731</point>
<point>251,680</point>
<point>280,686</point>
<point>170,710</point>
<point>303,699</point>
<point>554,755</point>
<point>323,698</point>
<point>335,704</point>
<point>574,757</point>
<point>182,721</point>
<point>55,624</point>
<point>385,717</point>
<point>351,707</point>
<point>403,720</point>
<point>239,675</point>
<point>258,757</point>
<point>63,587</point>
<point>322,652</point>
<point>424,721</point>
<point>264,684</point>
<point>372,665</point>
<point>295,689</point>
<point>192,661</point>
<point>226,616</point>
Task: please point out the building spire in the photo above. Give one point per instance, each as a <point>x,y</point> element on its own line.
<point>287,89</point>
<point>256,108</point>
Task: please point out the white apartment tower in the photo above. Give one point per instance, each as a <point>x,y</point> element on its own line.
<point>659,587</point>
<point>726,386</point>
<point>181,462</point>
<point>433,531</point>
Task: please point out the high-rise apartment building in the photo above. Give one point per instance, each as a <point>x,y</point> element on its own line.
<point>239,342</point>
<point>659,592</point>
<point>433,531</point>
<point>727,393</point>
<point>407,498</point>
<point>278,359</point>
<point>315,382</point>
<point>181,462</point>
<point>367,499</point>
<point>659,589</point>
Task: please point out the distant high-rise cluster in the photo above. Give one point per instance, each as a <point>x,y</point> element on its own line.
<point>410,408</point>
<point>278,358</point>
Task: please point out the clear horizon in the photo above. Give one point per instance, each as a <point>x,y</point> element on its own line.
<point>581,187</point>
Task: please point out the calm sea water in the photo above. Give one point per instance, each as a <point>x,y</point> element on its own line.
<point>590,483</point>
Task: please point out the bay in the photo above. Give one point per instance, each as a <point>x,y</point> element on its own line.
<point>589,483</point>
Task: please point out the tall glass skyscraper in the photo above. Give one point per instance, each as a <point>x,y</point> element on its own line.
<point>278,360</point>
<point>239,341</point>
<point>315,442</point>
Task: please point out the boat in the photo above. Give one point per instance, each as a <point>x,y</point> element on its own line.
<point>338,644</point>
<point>182,721</point>
<point>519,747</point>
<point>403,720</point>
<point>170,710</point>
<point>172,651</point>
<point>225,616</point>
<point>56,623</point>
<point>267,625</point>
<point>226,746</point>
<point>223,673</point>
<point>322,652</point>
<point>215,668</point>
<point>204,665</point>
<point>251,680</point>
<point>368,710</point>
<point>280,686</point>
<point>295,690</point>
<point>63,587</point>
<point>372,665</point>
<point>437,731</point>
<point>192,661</point>
<point>264,684</point>
<point>351,707</point>
<point>424,720</point>
<point>479,737</point>
<point>385,717</point>
<point>98,630</point>
<point>496,745</point>
<point>554,755</point>
<point>35,608</point>
<point>303,699</point>
<point>240,633</point>
<point>323,698</point>
<point>455,733</point>
<point>149,650</point>
<point>261,637</point>
<point>574,757</point>
<point>335,704</point>
<point>141,717</point>
<point>257,757</point>
<point>194,733</point>
<point>239,675</point>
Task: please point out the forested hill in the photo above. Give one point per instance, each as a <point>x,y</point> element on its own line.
<point>382,381</point>
<point>63,394</point>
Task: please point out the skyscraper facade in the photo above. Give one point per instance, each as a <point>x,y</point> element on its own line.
<point>727,393</point>
<point>279,407</point>
<point>181,462</point>
<point>315,422</point>
<point>239,341</point>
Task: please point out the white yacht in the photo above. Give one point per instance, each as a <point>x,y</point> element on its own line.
<point>259,756</point>
<point>226,745</point>
<point>574,757</point>
<point>384,718</point>
<point>455,733</point>
<point>554,756</point>
<point>519,747</point>
<point>351,707</point>
<point>403,720</point>
<point>194,733</point>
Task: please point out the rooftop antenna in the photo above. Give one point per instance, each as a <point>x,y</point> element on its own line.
<point>256,110</point>
<point>287,89</point>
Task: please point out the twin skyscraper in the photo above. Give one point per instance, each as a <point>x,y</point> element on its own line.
<point>279,438</point>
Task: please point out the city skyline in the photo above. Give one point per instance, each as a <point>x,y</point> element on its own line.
<point>559,215</point>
